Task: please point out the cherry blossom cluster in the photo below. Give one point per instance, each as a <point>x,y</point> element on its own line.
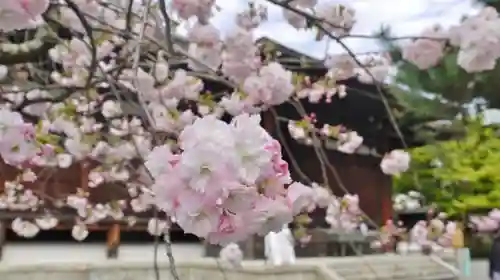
<point>489,223</point>
<point>370,68</point>
<point>388,235</point>
<point>339,19</point>
<point>70,128</point>
<point>325,89</point>
<point>476,38</point>
<point>395,162</point>
<point>434,235</point>
<point>347,141</point>
<point>344,213</point>
<point>17,138</point>
<point>227,181</point>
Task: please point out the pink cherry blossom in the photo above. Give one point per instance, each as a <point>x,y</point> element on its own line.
<point>322,195</point>
<point>301,197</point>
<point>230,228</point>
<point>495,215</point>
<point>395,162</point>
<point>193,8</point>
<point>344,213</point>
<point>273,85</point>
<point>21,14</point>
<point>340,19</point>
<point>424,53</point>
<point>428,51</point>
<point>232,255</point>
<point>228,185</point>
<point>484,224</point>
<point>349,142</point>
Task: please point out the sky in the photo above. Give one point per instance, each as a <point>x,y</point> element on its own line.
<point>405,17</point>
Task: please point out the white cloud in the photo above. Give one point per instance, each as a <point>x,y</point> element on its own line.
<point>406,17</point>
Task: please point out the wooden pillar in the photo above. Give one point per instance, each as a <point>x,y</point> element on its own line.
<point>248,247</point>
<point>3,237</point>
<point>386,192</point>
<point>268,122</point>
<point>113,241</point>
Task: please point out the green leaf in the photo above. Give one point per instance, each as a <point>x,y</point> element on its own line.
<point>467,177</point>
<point>451,67</point>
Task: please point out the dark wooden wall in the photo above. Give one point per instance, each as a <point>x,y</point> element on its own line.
<point>360,111</point>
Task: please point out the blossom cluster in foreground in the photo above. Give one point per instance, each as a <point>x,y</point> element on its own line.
<point>227,181</point>
<point>489,223</point>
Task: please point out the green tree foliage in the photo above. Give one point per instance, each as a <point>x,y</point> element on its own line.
<point>417,112</point>
<point>457,175</point>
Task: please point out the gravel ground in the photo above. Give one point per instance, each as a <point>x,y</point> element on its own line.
<point>88,253</point>
<point>479,270</point>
